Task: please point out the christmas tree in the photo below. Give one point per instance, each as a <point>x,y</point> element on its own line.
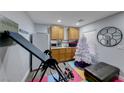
<point>82,53</point>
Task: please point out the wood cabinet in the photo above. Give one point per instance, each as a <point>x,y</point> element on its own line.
<point>57,32</point>
<point>68,54</point>
<point>73,33</point>
<point>73,49</point>
<point>55,54</point>
<point>63,54</point>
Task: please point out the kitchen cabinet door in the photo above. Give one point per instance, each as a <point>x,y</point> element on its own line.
<point>57,32</point>
<point>73,52</point>
<point>54,33</point>
<point>55,54</point>
<point>73,33</point>
<point>62,57</point>
<point>61,33</point>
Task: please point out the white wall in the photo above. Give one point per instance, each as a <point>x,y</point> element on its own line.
<point>14,60</point>
<point>41,28</point>
<point>111,55</point>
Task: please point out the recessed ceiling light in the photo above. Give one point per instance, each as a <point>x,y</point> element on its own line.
<point>77,24</point>
<point>59,21</point>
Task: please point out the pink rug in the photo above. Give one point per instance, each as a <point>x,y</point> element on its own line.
<point>77,78</point>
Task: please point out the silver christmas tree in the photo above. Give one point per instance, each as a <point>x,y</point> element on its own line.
<point>82,52</point>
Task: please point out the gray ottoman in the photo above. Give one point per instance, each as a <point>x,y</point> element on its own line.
<point>101,72</point>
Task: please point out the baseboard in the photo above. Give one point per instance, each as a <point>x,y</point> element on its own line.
<point>25,77</point>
